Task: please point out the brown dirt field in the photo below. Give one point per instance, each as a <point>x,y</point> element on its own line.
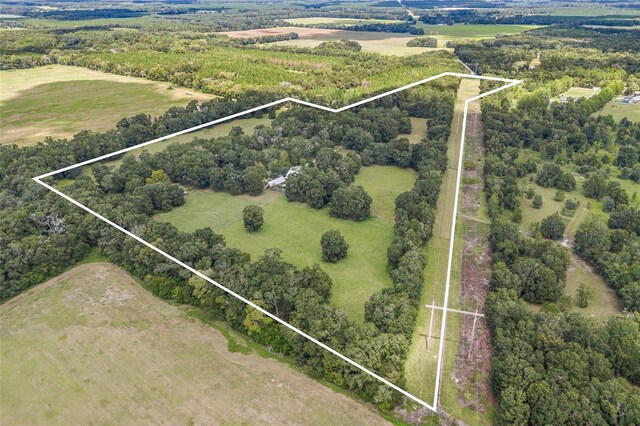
<point>473,360</point>
<point>93,347</point>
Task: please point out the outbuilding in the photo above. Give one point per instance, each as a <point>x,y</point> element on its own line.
<point>277,182</point>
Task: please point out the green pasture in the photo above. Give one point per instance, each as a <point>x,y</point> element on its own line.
<point>92,346</point>
<point>296,228</point>
<point>60,101</point>
<point>579,92</point>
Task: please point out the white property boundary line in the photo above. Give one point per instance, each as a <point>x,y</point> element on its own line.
<point>432,407</point>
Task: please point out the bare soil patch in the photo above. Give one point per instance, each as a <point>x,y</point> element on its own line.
<point>473,360</point>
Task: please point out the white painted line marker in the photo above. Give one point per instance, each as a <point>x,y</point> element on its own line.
<point>432,407</point>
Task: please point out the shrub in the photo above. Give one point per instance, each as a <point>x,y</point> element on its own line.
<point>583,296</point>
<point>537,201</point>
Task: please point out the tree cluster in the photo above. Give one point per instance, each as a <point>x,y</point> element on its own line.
<point>423,42</point>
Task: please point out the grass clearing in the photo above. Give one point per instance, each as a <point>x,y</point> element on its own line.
<point>59,101</point>
<point>418,130</point>
<point>579,92</point>
<point>296,229</point>
<point>93,346</point>
<point>619,111</point>
<point>531,215</point>
<point>605,302</point>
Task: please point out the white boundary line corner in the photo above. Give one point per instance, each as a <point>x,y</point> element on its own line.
<point>434,406</point>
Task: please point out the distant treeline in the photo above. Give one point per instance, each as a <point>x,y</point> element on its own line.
<point>81,14</point>
<point>385,28</point>
<point>475,17</point>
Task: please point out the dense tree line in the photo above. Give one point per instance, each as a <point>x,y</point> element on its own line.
<point>80,14</point>
<point>470,16</point>
<point>423,42</point>
<point>394,309</point>
<point>373,27</point>
<point>550,369</point>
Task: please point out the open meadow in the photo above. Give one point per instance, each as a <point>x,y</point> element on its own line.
<point>580,92</point>
<point>618,110</point>
<point>296,229</point>
<point>93,347</point>
<point>59,101</point>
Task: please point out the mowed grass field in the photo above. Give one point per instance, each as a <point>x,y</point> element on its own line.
<point>579,92</point>
<point>60,101</point>
<point>620,111</point>
<point>296,229</point>
<point>93,347</point>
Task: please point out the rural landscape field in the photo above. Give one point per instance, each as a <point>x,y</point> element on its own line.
<point>282,212</point>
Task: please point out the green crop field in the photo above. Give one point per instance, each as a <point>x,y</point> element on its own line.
<point>296,229</point>
<point>445,33</point>
<point>92,346</point>
<point>59,101</point>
